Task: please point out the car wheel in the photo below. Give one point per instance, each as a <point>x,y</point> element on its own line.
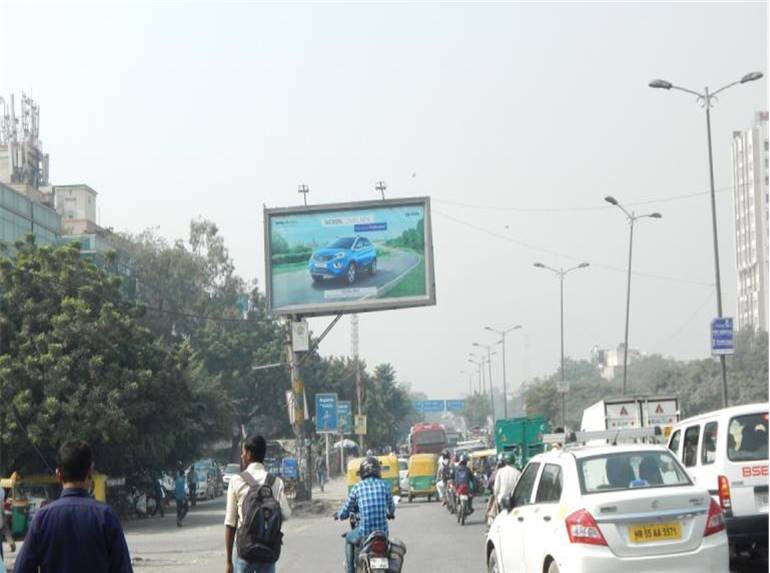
<point>553,567</point>
<point>373,267</point>
<point>352,274</point>
<point>492,566</point>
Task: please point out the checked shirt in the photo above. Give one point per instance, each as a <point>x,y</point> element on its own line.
<point>372,501</point>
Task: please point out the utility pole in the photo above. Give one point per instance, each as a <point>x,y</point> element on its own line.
<point>298,390</point>
<point>304,189</point>
<point>359,388</point>
<point>381,186</point>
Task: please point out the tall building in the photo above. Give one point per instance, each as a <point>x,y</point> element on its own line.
<point>750,204</point>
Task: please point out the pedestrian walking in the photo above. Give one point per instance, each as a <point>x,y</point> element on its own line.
<point>75,533</point>
<point>5,532</point>
<point>192,485</point>
<point>320,470</point>
<point>180,493</point>
<point>254,496</point>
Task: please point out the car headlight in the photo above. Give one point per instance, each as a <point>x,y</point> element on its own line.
<point>339,256</point>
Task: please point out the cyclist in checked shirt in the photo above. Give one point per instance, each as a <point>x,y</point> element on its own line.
<point>372,501</point>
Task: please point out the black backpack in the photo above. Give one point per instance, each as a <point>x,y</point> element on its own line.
<point>259,536</point>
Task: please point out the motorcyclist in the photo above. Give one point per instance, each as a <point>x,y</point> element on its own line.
<point>464,476</point>
<point>442,475</point>
<point>505,481</point>
<point>372,501</point>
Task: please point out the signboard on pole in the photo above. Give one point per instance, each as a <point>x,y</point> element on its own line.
<point>300,336</point>
<point>349,257</point>
<point>361,424</point>
<point>455,405</point>
<point>291,404</point>
<point>722,341</point>
<point>344,420</point>
<point>562,387</point>
<point>326,412</point>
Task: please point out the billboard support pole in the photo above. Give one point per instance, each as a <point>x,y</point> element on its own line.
<point>359,389</point>
<point>303,490</point>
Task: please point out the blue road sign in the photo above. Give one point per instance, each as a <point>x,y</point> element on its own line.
<point>722,336</point>
<point>326,412</point>
<point>455,405</point>
<point>344,418</point>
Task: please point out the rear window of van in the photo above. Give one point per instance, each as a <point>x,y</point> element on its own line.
<point>747,438</point>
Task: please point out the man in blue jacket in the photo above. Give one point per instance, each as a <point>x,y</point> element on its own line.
<point>75,533</point>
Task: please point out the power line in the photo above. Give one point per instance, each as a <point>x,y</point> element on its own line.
<point>544,250</point>
<point>575,209</point>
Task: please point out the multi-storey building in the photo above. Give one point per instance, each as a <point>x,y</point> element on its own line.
<point>750,203</point>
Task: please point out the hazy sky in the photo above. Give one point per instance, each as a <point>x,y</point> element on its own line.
<point>507,115</point>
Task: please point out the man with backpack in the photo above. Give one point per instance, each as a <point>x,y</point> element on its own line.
<point>256,509</point>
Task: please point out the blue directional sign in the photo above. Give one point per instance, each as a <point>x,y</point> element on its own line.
<point>722,336</point>
<point>326,412</point>
<point>455,405</point>
<point>344,418</point>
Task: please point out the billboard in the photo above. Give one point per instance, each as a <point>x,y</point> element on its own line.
<point>326,412</point>
<point>349,257</point>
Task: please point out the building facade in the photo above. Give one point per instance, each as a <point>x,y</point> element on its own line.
<point>20,216</point>
<point>750,205</point>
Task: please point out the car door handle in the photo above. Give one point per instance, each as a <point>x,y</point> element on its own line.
<point>520,518</point>
<point>546,518</point>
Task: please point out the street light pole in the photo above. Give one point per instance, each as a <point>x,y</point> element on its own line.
<point>488,348</point>
<point>632,218</point>
<point>705,99</point>
<point>502,334</point>
<point>561,273</point>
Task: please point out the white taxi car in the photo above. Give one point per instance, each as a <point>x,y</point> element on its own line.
<point>607,509</point>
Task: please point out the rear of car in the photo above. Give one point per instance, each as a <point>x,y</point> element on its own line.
<point>726,451</point>
<point>230,471</point>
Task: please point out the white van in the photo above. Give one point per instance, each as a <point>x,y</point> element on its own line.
<point>726,452</point>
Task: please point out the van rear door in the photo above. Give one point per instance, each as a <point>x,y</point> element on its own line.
<point>747,464</point>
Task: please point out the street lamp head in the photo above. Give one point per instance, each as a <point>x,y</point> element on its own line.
<point>583,265</point>
<point>750,77</point>
<point>540,265</point>
<point>517,327</point>
<point>611,200</point>
<point>476,344</point>
<point>661,84</point>
<point>656,215</point>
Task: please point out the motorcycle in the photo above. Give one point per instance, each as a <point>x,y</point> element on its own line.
<point>451,497</point>
<point>464,505</point>
<point>377,553</point>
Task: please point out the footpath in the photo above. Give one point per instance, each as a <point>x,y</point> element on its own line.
<point>324,502</point>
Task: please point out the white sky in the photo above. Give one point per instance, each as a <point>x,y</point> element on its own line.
<point>177,110</point>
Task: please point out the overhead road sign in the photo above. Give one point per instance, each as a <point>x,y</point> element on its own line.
<point>455,405</point>
<point>722,340</point>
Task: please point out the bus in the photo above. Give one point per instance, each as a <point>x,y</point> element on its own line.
<point>427,439</point>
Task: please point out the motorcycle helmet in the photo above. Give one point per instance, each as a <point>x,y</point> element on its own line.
<point>509,458</point>
<point>464,459</point>
<point>370,467</point>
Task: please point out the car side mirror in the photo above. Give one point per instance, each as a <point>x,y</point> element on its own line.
<point>508,502</point>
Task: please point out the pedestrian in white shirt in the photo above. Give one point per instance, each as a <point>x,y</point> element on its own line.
<point>252,458</point>
<point>505,481</point>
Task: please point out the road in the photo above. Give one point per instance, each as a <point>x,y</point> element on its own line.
<point>434,540</point>
<point>297,287</point>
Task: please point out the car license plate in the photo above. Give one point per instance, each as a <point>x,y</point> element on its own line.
<point>655,532</point>
<point>761,500</point>
<point>378,563</point>
<point>321,265</point>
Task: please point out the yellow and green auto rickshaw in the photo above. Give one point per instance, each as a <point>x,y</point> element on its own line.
<point>388,472</point>
<point>27,494</point>
<point>422,476</point>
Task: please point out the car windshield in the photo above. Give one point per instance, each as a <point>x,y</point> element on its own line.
<point>232,469</point>
<point>429,437</point>
<point>629,470</point>
<point>342,243</point>
<point>747,438</point>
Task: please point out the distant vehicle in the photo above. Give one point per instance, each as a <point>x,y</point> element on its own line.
<point>230,471</point>
<point>343,258</point>
<point>632,412</point>
<point>523,436</point>
<point>726,452</point>
<point>604,509</point>
<point>403,475</point>
<point>207,473</point>
<point>427,438</point>
<point>453,437</point>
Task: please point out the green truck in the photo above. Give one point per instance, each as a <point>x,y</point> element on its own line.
<point>523,436</point>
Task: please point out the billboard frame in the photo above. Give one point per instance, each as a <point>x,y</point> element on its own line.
<point>359,306</point>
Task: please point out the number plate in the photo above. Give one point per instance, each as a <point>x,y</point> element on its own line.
<point>654,532</point>
<point>320,265</point>
<point>378,563</point>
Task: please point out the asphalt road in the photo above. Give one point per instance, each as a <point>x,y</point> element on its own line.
<point>297,287</point>
<point>434,540</point>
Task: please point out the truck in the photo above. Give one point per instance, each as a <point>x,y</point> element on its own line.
<point>523,436</point>
<point>632,412</point>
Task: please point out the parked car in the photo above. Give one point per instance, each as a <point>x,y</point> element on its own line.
<point>206,472</point>
<point>403,475</point>
<point>606,509</point>
<point>343,258</point>
<point>230,471</point>
<point>726,452</point>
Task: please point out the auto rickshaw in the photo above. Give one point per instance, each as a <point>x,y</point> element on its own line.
<point>477,464</point>
<point>388,472</point>
<point>27,495</point>
<point>422,476</point>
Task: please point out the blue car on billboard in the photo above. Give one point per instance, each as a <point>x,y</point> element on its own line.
<point>344,258</point>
